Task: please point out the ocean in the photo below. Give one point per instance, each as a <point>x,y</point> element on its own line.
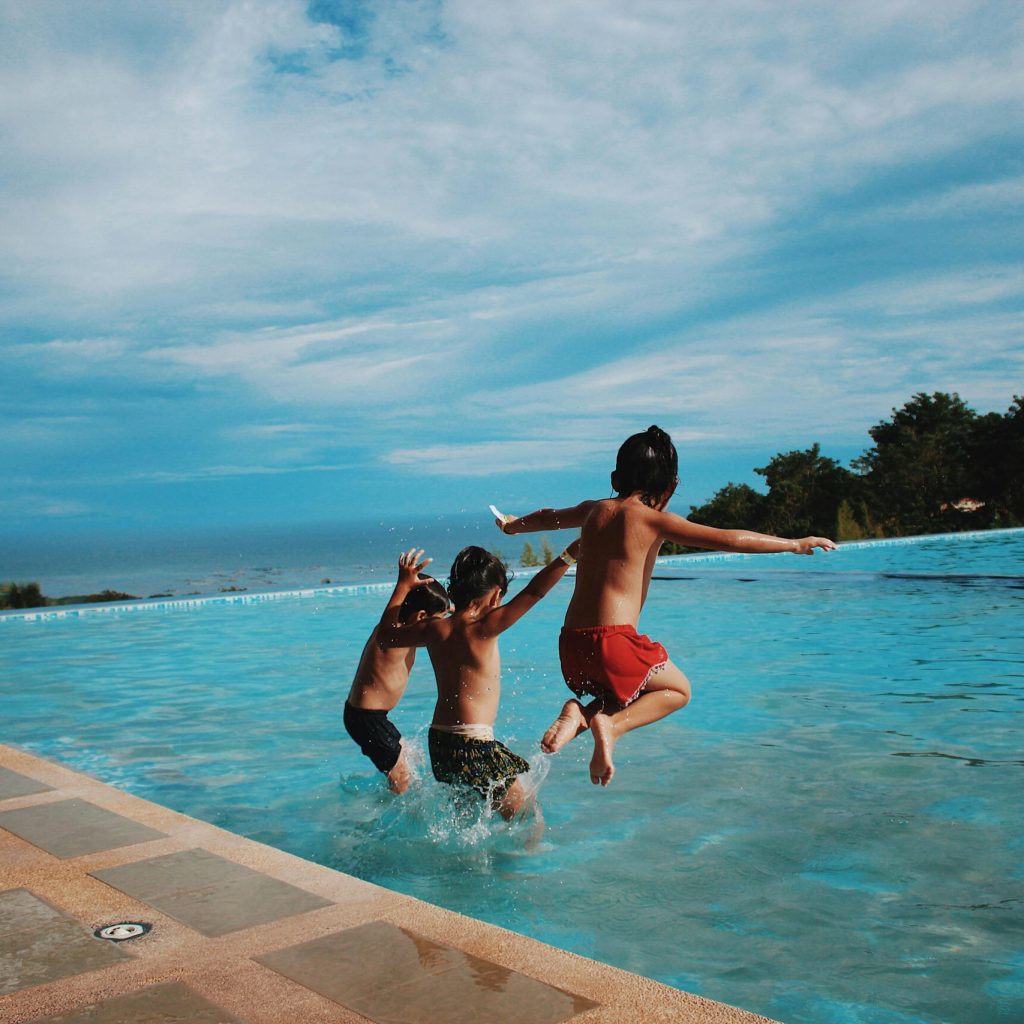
<point>250,558</point>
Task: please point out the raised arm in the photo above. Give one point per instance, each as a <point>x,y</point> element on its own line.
<point>546,519</point>
<point>390,632</point>
<point>508,614</point>
<point>682,531</point>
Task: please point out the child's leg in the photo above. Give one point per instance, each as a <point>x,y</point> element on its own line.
<point>400,775</point>
<point>513,800</point>
<point>518,801</point>
<point>667,690</point>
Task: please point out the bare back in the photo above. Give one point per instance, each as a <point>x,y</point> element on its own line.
<point>620,541</point>
<point>382,676</point>
<point>467,666</point>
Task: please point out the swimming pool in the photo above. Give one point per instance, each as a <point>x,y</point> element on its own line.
<point>830,832</point>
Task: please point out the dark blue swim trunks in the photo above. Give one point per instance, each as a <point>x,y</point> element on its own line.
<point>377,737</point>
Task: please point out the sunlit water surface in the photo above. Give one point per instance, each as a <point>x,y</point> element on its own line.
<point>831,831</point>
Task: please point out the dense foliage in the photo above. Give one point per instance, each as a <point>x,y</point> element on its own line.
<point>28,595</point>
<point>935,466</point>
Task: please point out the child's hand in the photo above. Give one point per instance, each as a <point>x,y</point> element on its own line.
<point>409,566</point>
<point>806,545</point>
<point>503,523</point>
<point>501,519</point>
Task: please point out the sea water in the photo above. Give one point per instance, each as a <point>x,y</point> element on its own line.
<point>831,831</point>
<point>259,559</point>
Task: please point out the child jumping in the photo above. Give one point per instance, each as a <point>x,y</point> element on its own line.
<point>380,682</point>
<point>463,649</point>
<point>601,653</point>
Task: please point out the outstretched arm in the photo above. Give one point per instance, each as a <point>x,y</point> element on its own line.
<point>507,614</point>
<point>682,531</point>
<point>546,519</point>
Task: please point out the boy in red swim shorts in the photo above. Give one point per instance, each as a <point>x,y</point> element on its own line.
<point>631,678</point>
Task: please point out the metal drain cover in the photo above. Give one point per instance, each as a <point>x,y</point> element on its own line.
<point>122,931</point>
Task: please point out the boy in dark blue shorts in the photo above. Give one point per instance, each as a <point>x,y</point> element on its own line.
<point>379,684</point>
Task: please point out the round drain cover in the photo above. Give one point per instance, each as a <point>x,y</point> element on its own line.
<point>122,931</point>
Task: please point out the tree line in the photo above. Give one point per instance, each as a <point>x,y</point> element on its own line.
<point>936,466</point>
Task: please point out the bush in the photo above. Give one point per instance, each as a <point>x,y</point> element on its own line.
<point>21,595</point>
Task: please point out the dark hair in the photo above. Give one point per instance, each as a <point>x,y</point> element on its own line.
<point>474,572</point>
<point>430,597</point>
<point>647,463</point>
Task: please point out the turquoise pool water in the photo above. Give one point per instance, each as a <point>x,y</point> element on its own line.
<point>832,831</point>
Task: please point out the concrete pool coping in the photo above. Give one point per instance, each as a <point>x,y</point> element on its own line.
<point>254,971</point>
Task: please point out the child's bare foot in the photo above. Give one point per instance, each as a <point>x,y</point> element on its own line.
<point>567,726</point>
<point>601,767</point>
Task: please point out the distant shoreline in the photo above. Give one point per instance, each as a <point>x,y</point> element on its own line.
<point>61,608</point>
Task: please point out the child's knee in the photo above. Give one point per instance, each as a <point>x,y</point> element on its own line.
<point>674,682</point>
<point>512,801</point>
<point>684,692</point>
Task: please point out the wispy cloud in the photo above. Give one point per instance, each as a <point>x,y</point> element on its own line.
<point>227,472</point>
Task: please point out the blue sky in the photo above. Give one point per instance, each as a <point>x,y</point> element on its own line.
<point>275,261</point>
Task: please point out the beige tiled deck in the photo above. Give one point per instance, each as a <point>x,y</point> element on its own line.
<point>245,933</point>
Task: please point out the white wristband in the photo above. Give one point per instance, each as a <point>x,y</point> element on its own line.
<point>567,558</point>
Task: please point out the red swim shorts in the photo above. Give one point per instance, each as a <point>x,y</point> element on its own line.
<point>609,661</point>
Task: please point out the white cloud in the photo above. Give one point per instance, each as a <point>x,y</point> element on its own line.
<point>942,293</point>
<point>352,364</point>
<point>42,506</point>
<point>226,472</point>
<point>491,457</point>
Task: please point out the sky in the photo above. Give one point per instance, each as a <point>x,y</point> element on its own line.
<point>278,261</point>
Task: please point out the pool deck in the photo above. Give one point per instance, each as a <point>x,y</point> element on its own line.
<point>242,932</point>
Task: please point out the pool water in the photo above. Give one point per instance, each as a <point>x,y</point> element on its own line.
<point>831,831</point>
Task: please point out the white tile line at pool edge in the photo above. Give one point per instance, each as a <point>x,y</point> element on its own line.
<point>184,603</point>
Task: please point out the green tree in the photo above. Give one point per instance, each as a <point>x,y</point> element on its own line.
<point>805,492</point>
<point>995,461</point>
<point>21,595</point>
<point>546,554</point>
<point>529,556</point>
<point>854,522</point>
<point>1013,459</point>
<point>919,466</point>
<point>733,507</point>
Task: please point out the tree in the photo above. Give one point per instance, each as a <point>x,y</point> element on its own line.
<point>919,467</point>
<point>805,492</point>
<point>935,466</point>
<point>529,556</point>
<point>733,507</point>
<point>546,554</point>
<point>995,462</point>
<point>1013,459</point>
<point>21,595</point>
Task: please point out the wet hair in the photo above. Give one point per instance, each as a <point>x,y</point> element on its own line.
<point>474,572</point>
<point>430,597</point>
<point>647,463</point>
